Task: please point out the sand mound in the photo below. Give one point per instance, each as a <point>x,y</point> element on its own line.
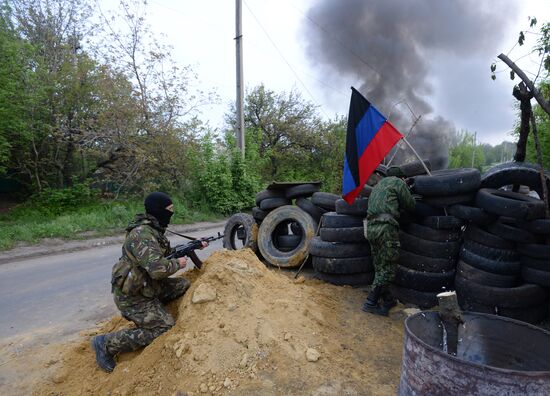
<point>248,330</point>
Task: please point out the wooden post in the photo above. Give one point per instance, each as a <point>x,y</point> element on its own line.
<point>451,318</point>
<point>541,170</point>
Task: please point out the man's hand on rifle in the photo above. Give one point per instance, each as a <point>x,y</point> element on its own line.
<point>204,244</point>
<point>182,261</point>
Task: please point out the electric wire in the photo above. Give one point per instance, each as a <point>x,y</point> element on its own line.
<point>284,59</point>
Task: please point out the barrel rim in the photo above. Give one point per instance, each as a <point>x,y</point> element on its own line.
<point>439,352</point>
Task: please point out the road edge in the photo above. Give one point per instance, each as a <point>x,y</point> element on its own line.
<point>68,246</point>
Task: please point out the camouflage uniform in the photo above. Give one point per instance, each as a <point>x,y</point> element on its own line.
<point>386,199</point>
<point>140,285</point>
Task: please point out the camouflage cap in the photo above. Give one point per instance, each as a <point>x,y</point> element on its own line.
<point>395,171</point>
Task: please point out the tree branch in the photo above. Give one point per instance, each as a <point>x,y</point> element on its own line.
<point>536,93</point>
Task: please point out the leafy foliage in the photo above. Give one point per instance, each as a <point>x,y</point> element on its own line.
<point>462,152</point>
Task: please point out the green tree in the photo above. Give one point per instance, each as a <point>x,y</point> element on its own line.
<point>14,97</point>
<point>462,152</point>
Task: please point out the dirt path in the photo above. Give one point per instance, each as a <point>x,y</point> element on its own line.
<point>262,333</point>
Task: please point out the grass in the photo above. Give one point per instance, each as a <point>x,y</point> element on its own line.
<point>28,225</point>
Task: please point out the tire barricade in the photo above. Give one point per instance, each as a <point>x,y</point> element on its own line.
<point>469,232</point>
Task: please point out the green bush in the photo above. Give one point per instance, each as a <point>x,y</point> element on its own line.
<point>57,201</point>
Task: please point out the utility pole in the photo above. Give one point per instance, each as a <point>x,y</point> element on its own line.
<point>240,89</point>
<point>474,150</point>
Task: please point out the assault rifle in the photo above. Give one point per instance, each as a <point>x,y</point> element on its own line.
<point>188,249</point>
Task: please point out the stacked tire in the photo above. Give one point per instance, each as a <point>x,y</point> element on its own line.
<point>535,257</point>
<point>430,240</point>
<point>490,277</point>
<point>427,261</point>
<point>341,254</point>
<point>285,230</point>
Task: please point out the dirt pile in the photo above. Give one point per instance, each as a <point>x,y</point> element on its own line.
<point>244,329</point>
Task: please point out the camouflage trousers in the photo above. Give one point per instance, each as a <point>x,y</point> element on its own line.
<point>149,315</point>
<point>384,242</point>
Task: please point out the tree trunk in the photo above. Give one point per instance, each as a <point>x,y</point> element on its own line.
<point>524,96</point>
<point>536,93</point>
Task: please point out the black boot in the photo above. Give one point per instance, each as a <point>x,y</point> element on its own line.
<point>372,305</point>
<point>388,300</point>
<point>102,356</point>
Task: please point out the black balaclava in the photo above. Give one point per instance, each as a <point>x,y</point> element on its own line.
<point>155,205</point>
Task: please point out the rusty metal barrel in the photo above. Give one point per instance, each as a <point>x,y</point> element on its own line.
<point>495,356</point>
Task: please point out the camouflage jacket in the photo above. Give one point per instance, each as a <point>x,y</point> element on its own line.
<point>389,196</point>
<point>143,263</point>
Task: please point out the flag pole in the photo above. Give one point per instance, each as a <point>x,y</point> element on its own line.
<point>417,156</point>
<point>407,135</point>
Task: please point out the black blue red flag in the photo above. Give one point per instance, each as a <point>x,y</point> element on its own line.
<point>370,136</point>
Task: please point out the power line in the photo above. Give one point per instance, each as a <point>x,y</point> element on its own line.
<point>339,42</point>
<point>284,59</point>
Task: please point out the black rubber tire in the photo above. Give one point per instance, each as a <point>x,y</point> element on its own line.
<point>422,209</point>
<point>531,315</point>
<point>325,200</point>
<point>448,182</point>
<point>523,296</point>
<point>427,264</point>
<point>479,235</point>
<point>431,234</point>
<point>472,214</point>
<point>535,250</point>
<point>359,279</point>
<point>259,214</point>
<point>289,241</point>
<point>296,229</point>
<point>514,173</point>
<point>424,247</point>
<point>301,190</point>
<point>538,227</point>
<point>335,220</point>
<point>248,224</point>
<point>358,208</point>
<point>442,202</point>
<point>485,264</point>
<point>476,275</point>
<point>511,204</point>
<point>353,234</point>
<point>269,194</point>
<point>406,218</point>
<point>538,277</point>
<point>538,264</point>
<point>506,229</point>
<point>443,222</point>
<point>491,253</point>
<point>424,300</point>
<point>415,168</point>
<point>349,265</point>
<point>314,211</point>
<point>269,204</point>
<point>266,244</point>
<point>321,248</point>
<point>424,281</point>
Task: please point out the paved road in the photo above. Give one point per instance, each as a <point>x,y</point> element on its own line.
<point>53,296</point>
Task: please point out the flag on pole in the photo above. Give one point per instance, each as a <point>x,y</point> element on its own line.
<point>370,136</point>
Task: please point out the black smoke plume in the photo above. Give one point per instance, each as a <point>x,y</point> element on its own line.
<point>387,46</point>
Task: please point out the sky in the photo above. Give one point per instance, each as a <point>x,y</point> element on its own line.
<point>277,41</point>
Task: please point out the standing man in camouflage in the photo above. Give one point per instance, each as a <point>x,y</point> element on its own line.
<point>390,195</point>
<point>141,284</point>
